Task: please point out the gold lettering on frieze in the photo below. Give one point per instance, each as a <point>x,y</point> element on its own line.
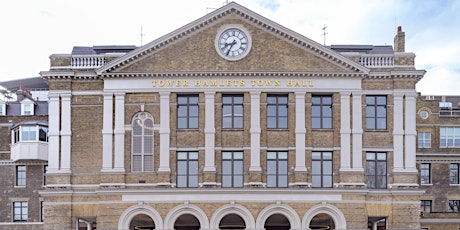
<point>232,83</point>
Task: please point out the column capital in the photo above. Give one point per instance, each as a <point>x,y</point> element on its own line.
<point>164,93</point>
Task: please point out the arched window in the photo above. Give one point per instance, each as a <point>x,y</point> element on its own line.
<point>142,142</point>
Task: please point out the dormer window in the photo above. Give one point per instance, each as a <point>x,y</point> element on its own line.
<point>27,109</point>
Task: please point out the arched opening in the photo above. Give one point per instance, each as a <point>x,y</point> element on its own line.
<point>322,222</point>
<point>232,221</point>
<point>277,222</point>
<point>142,222</point>
<point>187,222</point>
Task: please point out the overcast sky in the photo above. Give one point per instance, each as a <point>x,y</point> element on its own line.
<point>33,30</point>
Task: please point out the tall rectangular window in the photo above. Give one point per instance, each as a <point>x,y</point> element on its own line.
<point>376,170</point>
<point>277,169</point>
<point>376,112</point>
<point>425,173</point>
<point>454,174</point>
<point>2,109</point>
<point>27,109</point>
<point>142,142</point>
<point>321,112</point>
<point>232,169</point>
<point>42,211</point>
<point>454,206</point>
<point>21,175</point>
<point>45,170</point>
<point>277,111</point>
<point>187,169</point>
<point>426,205</point>
<point>321,169</point>
<point>187,111</point>
<point>232,111</point>
<point>449,137</point>
<point>424,140</point>
<point>20,211</point>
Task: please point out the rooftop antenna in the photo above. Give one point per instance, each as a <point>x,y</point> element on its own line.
<point>141,35</point>
<point>324,34</point>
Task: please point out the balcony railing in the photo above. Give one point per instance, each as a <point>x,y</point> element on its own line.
<point>377,61</point>
<point>449,112</point>
<point>87,61</point>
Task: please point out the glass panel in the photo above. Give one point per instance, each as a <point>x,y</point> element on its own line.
<point>327,123</point>
<point>316,123</point>
<point>193,183</point>
<point>226,181</point>
<point>370,168</point>
<point>226,155</point>
<point>182,99</point>
<point>381,111</point>
<point>181,122</point>
<point>381,168</point>
<point>238,181</point>
<point>316,111</point>
<point>370,111</point>
<point>193,123</point>
<point>238,122</point>
<point>282,181</point>
<point>238,167</point>
<point>282,167</point>
<point>182,155</point>
<point>327,181</point>
<point>370,100</point>
<point>271,180</point>
<point>271,110</point>
<point>227,111</point>
<point>182,111</point>
<point>193,110</point>
<point>327,111</point>
<point>282,155</point>
<point>137,163</point>
<point>381,100</point>
<point>42,134</point>
<point>193,100</point>
<point>148,163</point>
<point>238,99</point>
<point>181,181</point>
<point>316,167</point>
<point>327,167</point>
<point>327,100</point>
<point>381,156</point>
<point>226,167</point>
<point>316,181</point>
<point>327,155</point>
<point>148,144</point>
<point>238,110</point>
<point>316,155</point>
<point>271,100</point>
<point>316,100</point>
<point>137,144</point>
<point>193,168</point>
<point>370,123</point>
<point>282,123</point>
<point>370,156</point>
<point>271,122</point>
<point>193,155</point>
<point>271,167</point>
<point>181,168</point>
<point>282,100</point>
<point>238,155</point>
<point>226,99</point>
<point>282,110</point>
<point>227,122</point>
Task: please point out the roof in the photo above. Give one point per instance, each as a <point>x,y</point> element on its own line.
<point>29,83</point>
<point>364,49</point>
<point>14,108</point>
<point>30,122</point>
<point>90,50</point>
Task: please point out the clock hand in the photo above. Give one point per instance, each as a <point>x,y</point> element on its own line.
<point>231,45</point>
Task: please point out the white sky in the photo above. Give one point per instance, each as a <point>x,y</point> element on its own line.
<point>33,30</point>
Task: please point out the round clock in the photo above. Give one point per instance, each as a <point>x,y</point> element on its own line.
<point>233,42</point>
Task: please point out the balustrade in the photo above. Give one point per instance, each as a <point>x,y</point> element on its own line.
<point>86,61</point>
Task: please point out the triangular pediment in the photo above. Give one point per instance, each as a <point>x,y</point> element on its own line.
<point>192,48</point>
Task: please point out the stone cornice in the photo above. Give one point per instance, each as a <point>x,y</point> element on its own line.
<point>245,14</point>
<point>233,74</point>
<point>398,74</point>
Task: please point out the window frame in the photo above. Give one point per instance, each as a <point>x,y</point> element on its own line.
<point>232,176</point>
<point>29,133</point>
<point>277,108</point>
<point>426,204</point>
<point>140,149</point>
<point>232,116</point>
<point>374,109</point>
<point>21,176</point>
<point>425,174</point>
<point>454,174</point>
<point>188,175</point>
<point>424,140</point>
<point>375,176</point>
<point>454,137</point>
<point>453,203</point>
<point>23,211</point>
<point>322,117</point>
<point>278,176</point>
<point>322,160</point>
<point>192,121</point>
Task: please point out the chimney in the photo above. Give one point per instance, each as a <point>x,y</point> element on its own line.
<point>400,41</point>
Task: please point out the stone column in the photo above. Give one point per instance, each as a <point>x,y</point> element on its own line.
<point>119,132</point>
<point>53,132</point>
<point>398,132</point>
<point>66,132</point>
<point>164,132</point>
<point>255,132</point>
<point>410,132</point>
<point>357,132</point>
<point>300,131</point>
<point>107,133</point>
<point>345,131</point>
<point>210,132</point>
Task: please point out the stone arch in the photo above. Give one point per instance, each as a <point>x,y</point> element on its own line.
<point>174,213</point>
<point>131,212</point>
<point>282,209</point>
<point>240,210</point>
<point>336,215</point>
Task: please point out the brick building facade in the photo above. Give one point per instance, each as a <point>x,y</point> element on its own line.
<point>230,122</point>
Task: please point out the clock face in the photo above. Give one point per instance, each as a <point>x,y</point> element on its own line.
<point>233,43</point>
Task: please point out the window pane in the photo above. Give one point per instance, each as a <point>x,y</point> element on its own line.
<point>181,181</point>
<point>381,111</point>
<point>370,123</point>
<point>238,167</point>
<point>282,99</point>
<point>193,181</point>
<point>327,123</point>
<point>193,168</point>
<point>193,111</point>
<point>282,110</point>
<point>271,180</point>
<point>226,167</point>
<point>271,100</point>
<point>316,167</point>
<point>316,111</point>
<point>238,123</point>
<point>193,123</point>
<point>316,123</point>
<point>370,100</point>
<point>271,167</point>
<point>271,122</point>
<point>238,181</point>
<point>381,100</point>
<point>327,167</point>
<point>282,181</point>
<point>327,181</point>
<point>137,163</point>
<point>271,110</point>
<point>370,111</point>
<point>316,181</point>
<point>181,122</point>
<point>193,155</point>
<point>181,168</point>
<point>148,163</point>
<point>227,122</point>
<point>282,155</point>
<point>226,181</point>
<point>283,123</point>
<point>193,100</point>
<point>327,111</point>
